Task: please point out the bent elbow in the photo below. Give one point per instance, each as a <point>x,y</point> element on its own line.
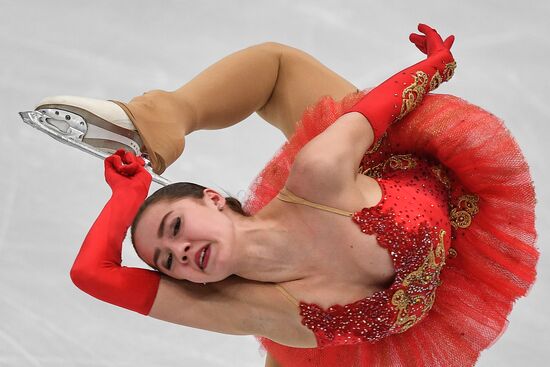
<point>80,277</point>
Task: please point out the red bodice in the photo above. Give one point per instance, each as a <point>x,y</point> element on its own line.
<point>412,222</point>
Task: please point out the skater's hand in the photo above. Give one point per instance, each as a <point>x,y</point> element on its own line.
<point>431,42</point>
<point>124,170</point>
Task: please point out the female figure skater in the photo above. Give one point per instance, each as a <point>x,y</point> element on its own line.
<point>406,244</point>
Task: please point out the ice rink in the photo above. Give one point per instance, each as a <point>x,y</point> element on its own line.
<point>50,194</point>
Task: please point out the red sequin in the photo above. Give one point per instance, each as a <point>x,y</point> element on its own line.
<point>412,223</point>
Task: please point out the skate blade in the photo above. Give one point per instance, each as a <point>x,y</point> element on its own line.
<point>71,135</point>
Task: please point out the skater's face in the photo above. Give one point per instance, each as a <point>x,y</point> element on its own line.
<point>170,234</point>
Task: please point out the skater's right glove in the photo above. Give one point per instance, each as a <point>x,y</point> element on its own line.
<point>97,269</point>
<point>123,170</point>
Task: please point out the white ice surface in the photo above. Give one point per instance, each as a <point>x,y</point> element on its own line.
<point>50,193</point>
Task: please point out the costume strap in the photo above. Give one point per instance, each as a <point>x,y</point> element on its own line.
<point>292,300</point>
<point>289,197</point>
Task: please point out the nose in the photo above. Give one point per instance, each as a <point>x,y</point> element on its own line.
<point>182,252</point>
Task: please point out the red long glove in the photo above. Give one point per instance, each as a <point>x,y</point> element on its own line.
<point>97,269</point>
<point>400,94</point>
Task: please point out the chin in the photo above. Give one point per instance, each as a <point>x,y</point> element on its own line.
<point>218,278</point>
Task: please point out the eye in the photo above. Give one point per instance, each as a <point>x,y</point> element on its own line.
<point>168,262</point>
<point>177,225</point>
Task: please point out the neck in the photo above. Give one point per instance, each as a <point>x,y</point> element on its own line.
<point>268,248</point>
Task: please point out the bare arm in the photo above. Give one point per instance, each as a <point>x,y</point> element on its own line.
<point>337,152</point>
<point>233,306</point>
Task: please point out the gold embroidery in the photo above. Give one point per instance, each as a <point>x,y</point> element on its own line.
<point>401,161</point>
<point>436,80</point>
<point>427,275</point>
<point>449,70</point>
<point>402,301</point>
<point>396,161</point>
<point>441,176</point>
<point>374,171</point>
<point>462,214</point>
<point>377,144</point>
<point>452,253</point>
<point>460,218</point>
<point>413,94</point>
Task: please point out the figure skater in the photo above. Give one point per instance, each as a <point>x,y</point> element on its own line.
<point>388,244</point>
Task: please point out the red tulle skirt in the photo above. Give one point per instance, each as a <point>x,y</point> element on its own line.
<point>496,254</point>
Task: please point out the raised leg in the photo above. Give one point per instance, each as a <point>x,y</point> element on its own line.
<point>275,80</point>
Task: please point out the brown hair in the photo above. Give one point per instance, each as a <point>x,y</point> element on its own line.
<point>180,190</point>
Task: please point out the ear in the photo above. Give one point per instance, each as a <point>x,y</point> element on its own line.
<point>214,197</point>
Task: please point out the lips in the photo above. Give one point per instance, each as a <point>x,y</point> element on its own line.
<point>198,257</point>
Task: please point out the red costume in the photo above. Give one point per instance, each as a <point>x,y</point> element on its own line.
<point>466,154</point>
<point>457,216</point>
<point>412,222</point>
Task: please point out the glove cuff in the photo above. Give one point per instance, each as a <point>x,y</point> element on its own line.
<point>399,95</point>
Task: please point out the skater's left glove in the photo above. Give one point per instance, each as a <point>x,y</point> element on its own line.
<point>396,97</point>
<point>431,42</point>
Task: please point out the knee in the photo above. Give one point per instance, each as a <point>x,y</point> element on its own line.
<point>273,47</point>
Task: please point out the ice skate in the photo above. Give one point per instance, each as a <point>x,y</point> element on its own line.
<point>94,126</point>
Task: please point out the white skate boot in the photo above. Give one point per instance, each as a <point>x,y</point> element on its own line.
<point>97,127</point>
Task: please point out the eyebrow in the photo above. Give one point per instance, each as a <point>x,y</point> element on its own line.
<point>161,226</point>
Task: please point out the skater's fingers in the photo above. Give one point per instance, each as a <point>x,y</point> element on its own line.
<point>129,169</point>
<point>419,41</point>
<point>432,37</point>
<point>449,42</point>
<point>120,153</point>
<point>129,157</point>
<point>417,38</point>
<point>123,168</point>
<point>140,161</point>
<point>426,29</point>
<point>133,164</point>
<point>113,161</point>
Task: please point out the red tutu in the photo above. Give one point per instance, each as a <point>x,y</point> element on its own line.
<point>496,253</point>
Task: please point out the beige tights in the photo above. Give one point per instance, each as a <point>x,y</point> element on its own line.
<point>276,81</point>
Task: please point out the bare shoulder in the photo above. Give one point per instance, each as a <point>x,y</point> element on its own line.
<point>233,306</point>
<point>330,161</point>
